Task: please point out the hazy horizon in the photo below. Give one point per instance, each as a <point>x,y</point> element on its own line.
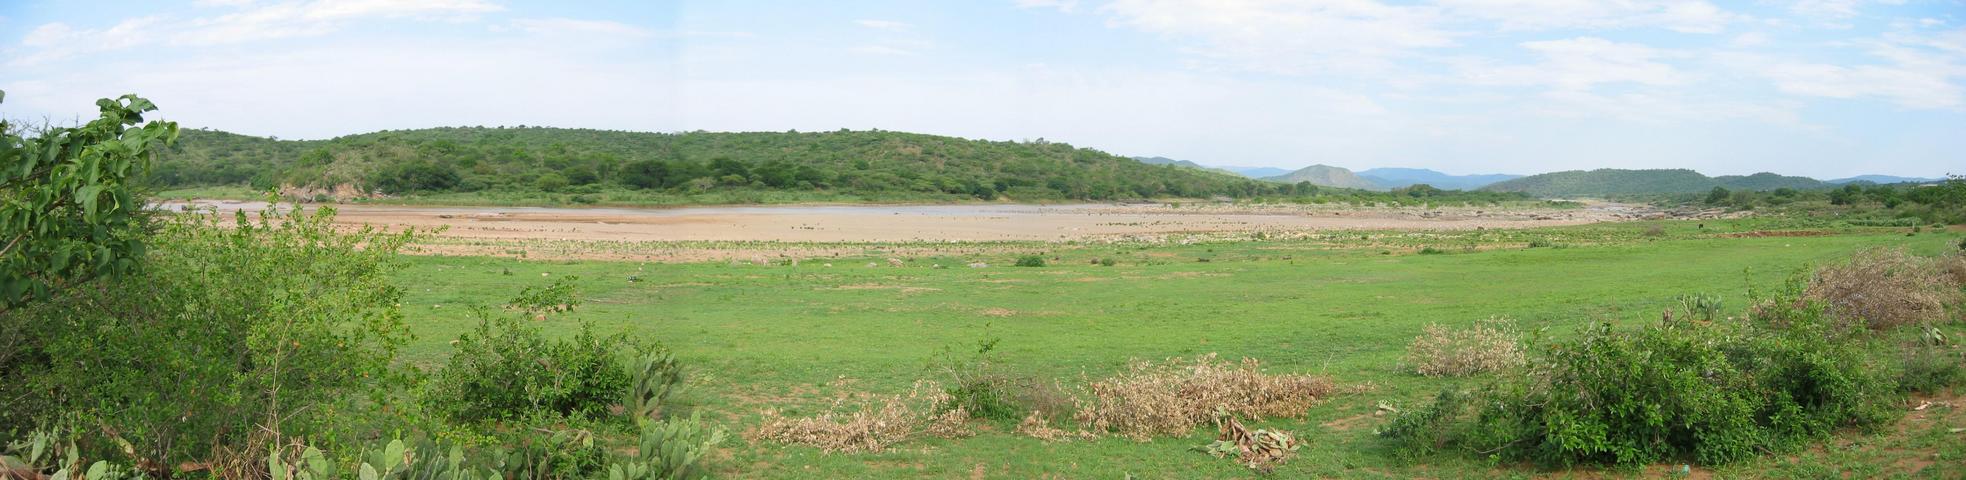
<point>1820,88</point>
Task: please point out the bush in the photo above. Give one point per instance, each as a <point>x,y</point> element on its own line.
<point>1489,346</point>
<point>1030,261</point>
<point>505,369</point>
<point>1931,363</point>
<point>1711,393</point>
<point>983,388</point>
<point>280,322</point>
<point>1883,288</point>
<point>1432,251</point>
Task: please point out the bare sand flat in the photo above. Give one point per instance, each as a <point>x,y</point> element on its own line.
<point>929,223</point>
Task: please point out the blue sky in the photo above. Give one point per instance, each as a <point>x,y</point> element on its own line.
<point>1816,87</point>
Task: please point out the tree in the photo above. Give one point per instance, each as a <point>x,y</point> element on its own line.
<point>68,209</point>
<point>1718,195</point>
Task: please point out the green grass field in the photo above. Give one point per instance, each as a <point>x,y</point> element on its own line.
<point>793,337</point>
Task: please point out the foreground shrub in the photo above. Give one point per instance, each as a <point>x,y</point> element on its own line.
<point>1174,397</point>
<point>1711,393</point>
<point>279,323</point>
<point>871,424</point>
<point>979,384</point>
<point>505,369</point>
<point>1488,346</point>
<point>1030,261</point>
<point>1884,288</point>
<point>666,450</point>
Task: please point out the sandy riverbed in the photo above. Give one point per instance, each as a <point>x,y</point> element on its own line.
<point>932,223</point>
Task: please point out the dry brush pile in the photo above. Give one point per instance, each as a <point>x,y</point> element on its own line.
<point>1889,287</point>
<point>870,423</point>
<point>1174,397</point>
<point>1147,399</point>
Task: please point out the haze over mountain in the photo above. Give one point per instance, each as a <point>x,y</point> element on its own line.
<point>1881,179</point>
<point>1256,172</point>
<point>1327,176</point>
<point>1611,181</point>
<point>1392,177</point>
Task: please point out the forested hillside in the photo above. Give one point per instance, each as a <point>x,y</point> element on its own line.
<point>1611,181</point>
<point>864,164</point>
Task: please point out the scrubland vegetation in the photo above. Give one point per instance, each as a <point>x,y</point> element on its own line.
<point>274,345</point>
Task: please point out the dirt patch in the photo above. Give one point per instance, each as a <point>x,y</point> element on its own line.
<point>1778,233</point>
<point>874,286</point>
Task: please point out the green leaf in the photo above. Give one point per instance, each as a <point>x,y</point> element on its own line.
<point>368,473</point>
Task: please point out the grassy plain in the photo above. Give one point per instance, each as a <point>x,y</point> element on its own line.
<point>795,337</point>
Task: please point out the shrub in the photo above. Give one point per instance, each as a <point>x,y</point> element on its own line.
<point>1883,288</point>
<point>1712,393</point>
<point>1654,231</point>
<point>1931,362</point>
<point>279,323</point>
<point>982,387</point>
<point>1174,397</point>
<point>870,425</point>
<point>1432,251</point>
<point>1106,262</point>
<point>1030,261</point>
<point>1488,346</point>
<point>505,369</point>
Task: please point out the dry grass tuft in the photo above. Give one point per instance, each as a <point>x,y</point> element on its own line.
<point>1884,287</point>
<point>872,425</point>
<point>1037,425</point>
<point>1955,269</point>
<point>1174,397</point>
<point>1488,346</point>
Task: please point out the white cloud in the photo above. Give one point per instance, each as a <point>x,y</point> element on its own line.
<point>221,3</point>
<point>1578,64</point>
<point>1350,36</point>
<point>1691,16</point>
<point>1915,71</point>
<point>883,24</point>
<point>294,19</point>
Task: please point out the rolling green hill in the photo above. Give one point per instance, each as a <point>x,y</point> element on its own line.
<point>531,160</point>
<point>1327,176</point>
<point>1611,181</point>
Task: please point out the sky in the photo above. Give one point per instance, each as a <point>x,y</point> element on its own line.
<point>1825,88</point>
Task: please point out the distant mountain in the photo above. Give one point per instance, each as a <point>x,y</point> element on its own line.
<point>1326,176</point>
<point>1185,164</point>
<point>1256,172</point>
<point>1882,179</point>
<point>1169,161</point>
<point>1611,181</point>
<point>1402,177</point>
<point>1767,181</point>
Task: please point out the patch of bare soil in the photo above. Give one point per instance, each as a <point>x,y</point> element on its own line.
<point>1779,233</point>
